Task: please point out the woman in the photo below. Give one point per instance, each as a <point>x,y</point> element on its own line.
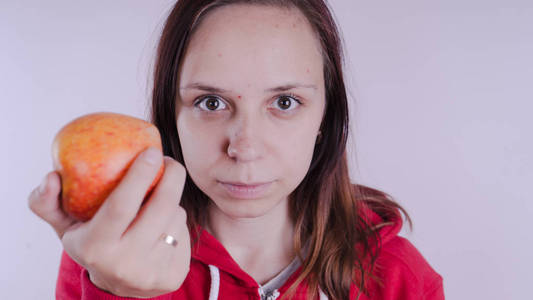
<point>251,105</point>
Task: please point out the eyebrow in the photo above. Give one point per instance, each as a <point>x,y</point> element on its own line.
<point>282,88</point>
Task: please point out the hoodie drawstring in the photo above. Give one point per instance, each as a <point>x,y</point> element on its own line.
<point>215,285</point>
<point>215,282</point>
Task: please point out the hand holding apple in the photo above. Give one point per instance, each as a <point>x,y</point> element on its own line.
<point>120,246</point>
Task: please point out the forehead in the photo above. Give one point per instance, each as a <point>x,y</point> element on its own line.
<point>264,45</point>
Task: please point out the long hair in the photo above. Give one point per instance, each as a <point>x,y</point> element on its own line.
<point>325,207</point>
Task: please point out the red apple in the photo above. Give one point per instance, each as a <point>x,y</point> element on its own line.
<point>93,152</point>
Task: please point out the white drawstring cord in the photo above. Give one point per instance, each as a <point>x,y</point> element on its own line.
<point>215,282</point>
<point>321,295</point>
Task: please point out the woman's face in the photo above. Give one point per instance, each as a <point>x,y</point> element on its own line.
<point>250,104</point>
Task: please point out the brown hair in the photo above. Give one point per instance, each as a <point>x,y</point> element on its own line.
<point>326,206</point>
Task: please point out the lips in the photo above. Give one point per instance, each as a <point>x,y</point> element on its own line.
<point>241,190</point>
<point>244,184</point>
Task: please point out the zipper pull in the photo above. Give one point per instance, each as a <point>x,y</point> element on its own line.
<point>270,296</point>
<point>274,295</point>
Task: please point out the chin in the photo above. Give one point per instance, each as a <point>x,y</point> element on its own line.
<point>237,208</point>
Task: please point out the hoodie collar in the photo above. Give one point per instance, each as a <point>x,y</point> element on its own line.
<point>211,252</point>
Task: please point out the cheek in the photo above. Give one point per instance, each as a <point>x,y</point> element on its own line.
<point>297,152</point>
<point>199,144</point>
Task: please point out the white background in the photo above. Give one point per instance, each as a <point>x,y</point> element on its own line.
<point>442,122</point>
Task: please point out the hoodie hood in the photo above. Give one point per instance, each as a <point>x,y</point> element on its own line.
<point>388,226</point>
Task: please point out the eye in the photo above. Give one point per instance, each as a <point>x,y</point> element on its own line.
<point>210,103</point>
<point>287,102</point>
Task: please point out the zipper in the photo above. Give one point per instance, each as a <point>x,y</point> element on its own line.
<point>268,296</point>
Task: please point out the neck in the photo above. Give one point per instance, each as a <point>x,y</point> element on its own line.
<point>261,245</point>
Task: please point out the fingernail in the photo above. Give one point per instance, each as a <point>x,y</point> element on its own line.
<point>42,186</point>
<point>152,156</point>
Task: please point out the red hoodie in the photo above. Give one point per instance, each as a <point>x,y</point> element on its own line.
<point>215,275</point>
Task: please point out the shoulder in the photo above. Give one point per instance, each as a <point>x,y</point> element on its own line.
<point>405,273</point>
<point>400,270</point>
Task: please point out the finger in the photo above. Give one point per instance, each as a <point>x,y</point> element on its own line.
<point>122,205</point>
<point>179,258</point>
<point>177,229</point>
<point>160,208</point>
<point>44,202</point>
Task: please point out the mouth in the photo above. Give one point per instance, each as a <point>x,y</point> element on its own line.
<point>241,190</point>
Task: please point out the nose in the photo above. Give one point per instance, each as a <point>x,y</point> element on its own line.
<point>245,139</point>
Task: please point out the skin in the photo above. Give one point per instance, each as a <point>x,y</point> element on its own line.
<point>253,135</point>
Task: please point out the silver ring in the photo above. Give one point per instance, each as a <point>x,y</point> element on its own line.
<point>170,240</point>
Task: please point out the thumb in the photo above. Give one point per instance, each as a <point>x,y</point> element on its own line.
<point>44,202</point>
